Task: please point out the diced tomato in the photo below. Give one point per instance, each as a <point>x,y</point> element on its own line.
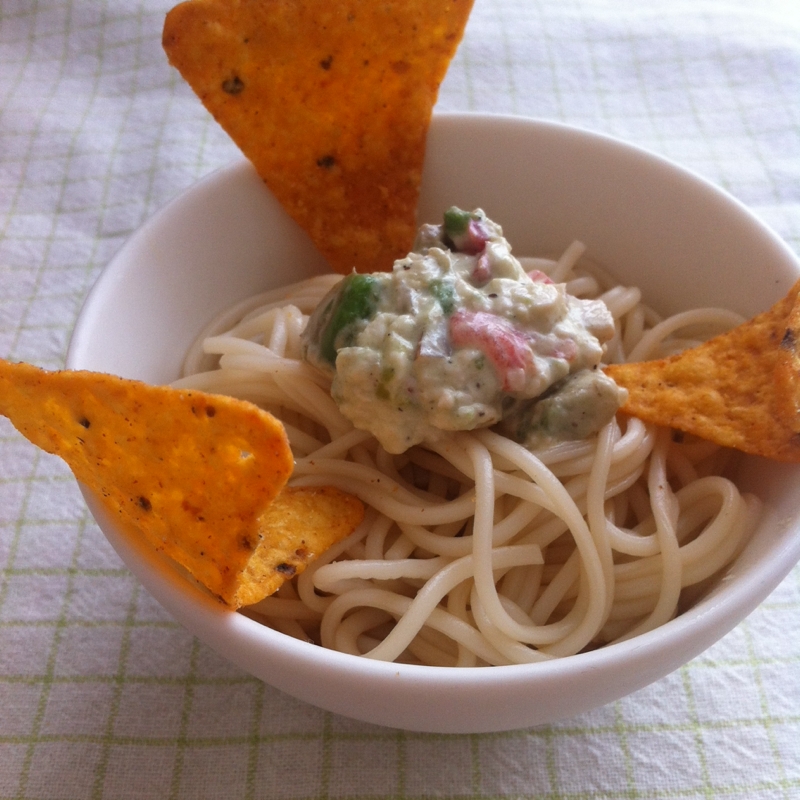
<point>506,347</point>
<point>475,239</point>
<point>539,276</point>
<point>482,273</point>
<point>552,347</point>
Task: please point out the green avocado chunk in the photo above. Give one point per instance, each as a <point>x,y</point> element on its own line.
<point>357,300</point>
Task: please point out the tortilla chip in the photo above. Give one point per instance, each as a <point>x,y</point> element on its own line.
<point>195,473</point>
<point>302,523</point>
<point>787,374</point>
<point>330,101</point>
<point>728,389</point>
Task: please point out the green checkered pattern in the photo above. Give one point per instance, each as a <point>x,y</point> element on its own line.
<point>102,695</point>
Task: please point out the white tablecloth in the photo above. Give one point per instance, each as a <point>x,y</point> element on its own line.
<point>102,695</point>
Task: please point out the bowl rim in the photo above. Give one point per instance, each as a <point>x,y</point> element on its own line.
<point>680,639</point>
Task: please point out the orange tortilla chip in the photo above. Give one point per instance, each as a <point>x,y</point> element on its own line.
<point>787,373</point>
<point>195,473</point>
<point>302,523</point>
<point>728,390</point>
<point>330,101</point>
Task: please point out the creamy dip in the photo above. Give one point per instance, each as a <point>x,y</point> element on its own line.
<point>457,337</point>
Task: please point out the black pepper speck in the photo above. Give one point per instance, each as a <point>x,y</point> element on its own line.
<point>234,85</point>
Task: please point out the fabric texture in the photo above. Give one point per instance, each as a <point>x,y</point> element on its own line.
<point>102,694</point>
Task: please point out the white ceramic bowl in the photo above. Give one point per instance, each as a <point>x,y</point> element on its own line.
<point>656,225</point>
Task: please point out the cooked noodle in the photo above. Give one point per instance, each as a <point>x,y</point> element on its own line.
<point>474,550</point>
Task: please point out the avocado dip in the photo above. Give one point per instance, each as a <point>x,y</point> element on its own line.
<point>459,336</point>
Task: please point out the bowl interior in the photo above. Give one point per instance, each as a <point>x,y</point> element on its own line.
<point>655,225</point>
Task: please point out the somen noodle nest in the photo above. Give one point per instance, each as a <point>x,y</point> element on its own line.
<point>473,550</point>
